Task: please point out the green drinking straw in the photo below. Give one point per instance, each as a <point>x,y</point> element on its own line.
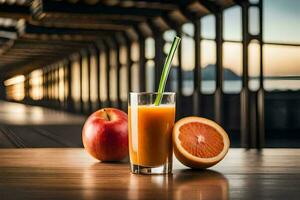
<point>166,70</point>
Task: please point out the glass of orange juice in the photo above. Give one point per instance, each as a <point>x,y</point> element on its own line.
<point>150,132</point>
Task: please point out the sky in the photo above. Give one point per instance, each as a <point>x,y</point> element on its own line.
<point>281,22</point>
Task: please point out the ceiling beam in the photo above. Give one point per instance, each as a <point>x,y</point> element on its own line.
<point>14,11</point>
<point>40,8</point>
<point>27,28</point>
<point>212,7</point>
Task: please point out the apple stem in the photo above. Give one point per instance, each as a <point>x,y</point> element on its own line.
<point>107,115</point>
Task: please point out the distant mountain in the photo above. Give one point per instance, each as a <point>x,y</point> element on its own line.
<point>207,73</point>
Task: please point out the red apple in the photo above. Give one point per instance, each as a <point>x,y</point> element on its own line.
<point>105,134</point>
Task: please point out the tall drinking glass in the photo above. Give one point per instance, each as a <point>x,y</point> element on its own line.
<point>150,132</point>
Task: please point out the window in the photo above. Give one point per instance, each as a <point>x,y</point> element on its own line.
<point>56,83</point>
<point>208,62</point>
<point>188,58</point>
<point>76,80</point>
<point>123,83</point>
<point>254,65</point>
<point>61,83</point>
<point>150,65</point>
<point>134,77</point>
<point>113,75</point>
<point>135,67</point>
<point>208,54</point>
<point>85,78</point>
<point>66,83</point>
<point>253,20</point>
<point>172,82</point>
<point>208,24</point>
<point>36,85</point>
<point>103,85</point>
<point>281,47</point>
<point>15,88</point>
<point>232,50</point>
<point>232,67</point>
<point>150,71</point>
<point>93,77</point>
<point>232,28</point>
<point>281,21</point>
<point>281,71</point>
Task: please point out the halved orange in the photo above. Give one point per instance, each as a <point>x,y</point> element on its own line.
<point>199,142</point>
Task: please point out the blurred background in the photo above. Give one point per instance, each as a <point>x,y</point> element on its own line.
<point>238,64</point>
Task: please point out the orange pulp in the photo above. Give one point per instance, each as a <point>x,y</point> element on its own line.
<point>150,134</point>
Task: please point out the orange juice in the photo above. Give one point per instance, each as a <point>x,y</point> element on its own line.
<point>150,134</point>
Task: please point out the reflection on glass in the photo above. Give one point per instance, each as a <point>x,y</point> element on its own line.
<point>232,71</point>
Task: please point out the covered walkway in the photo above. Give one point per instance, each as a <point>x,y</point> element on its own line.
<point>78,56</point>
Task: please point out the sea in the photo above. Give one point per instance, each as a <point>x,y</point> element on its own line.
<point>235,86</point>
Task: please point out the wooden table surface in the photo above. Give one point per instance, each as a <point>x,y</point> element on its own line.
<point>72,174</point>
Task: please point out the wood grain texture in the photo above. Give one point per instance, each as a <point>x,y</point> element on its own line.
<point>73,174</point>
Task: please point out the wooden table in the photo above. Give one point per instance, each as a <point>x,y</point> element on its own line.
<point>72,174</point>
